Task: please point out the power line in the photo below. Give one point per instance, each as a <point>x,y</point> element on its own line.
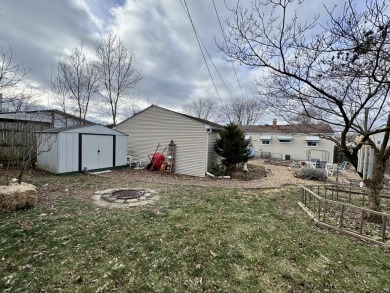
<point>224,37</point>
<point>200,47</point>
<point>215,67</point>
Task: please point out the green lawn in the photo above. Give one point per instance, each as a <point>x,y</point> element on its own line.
<point>192,240</point>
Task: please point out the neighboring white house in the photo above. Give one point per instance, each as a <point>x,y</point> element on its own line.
<point>76,148</point>
<point>194,138</point>
<point>292,142</point>
<point>378,138</point>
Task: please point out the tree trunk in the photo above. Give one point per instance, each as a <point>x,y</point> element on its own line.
<point>227,169</point>
<point>22,168</point>
<point>374,187</point>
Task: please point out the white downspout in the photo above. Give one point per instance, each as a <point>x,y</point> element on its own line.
<point>207,148</point>
<point>207,156</point>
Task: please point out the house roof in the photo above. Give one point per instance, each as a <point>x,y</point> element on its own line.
<point>302,128</point>
<point>212,124</point>
<point>21,115</point>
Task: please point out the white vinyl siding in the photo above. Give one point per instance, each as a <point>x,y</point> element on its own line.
<point>157,125</point>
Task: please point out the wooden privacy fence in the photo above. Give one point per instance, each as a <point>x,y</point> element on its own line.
<point>17,139</point>
<point>332,207</point>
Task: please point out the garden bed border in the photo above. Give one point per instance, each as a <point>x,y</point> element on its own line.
<point>311,203</point>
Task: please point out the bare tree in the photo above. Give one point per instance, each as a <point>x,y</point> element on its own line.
<point>131,109</point>
<point>11,73</point>
<point>24,102</point>
<point>304,117</point>
<point>340,68</point>
<point>75,83</point>
<point>12,76</point>
<point>202,108</point>
<point>117,73</point>
<point>243,111</point>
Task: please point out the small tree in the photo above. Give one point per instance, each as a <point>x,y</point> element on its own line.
<point>75,82</point>
<point>243,111</point>
<point>117,73</point>
<point>202,108</point>
<point>232,146</point>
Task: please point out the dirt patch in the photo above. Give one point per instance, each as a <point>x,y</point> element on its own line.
<point>260,175</point>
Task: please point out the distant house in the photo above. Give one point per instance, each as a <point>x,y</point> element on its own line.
<point>194,138</point>
<point>51,118</point>
<point>291,142</point>
<point>378,138</point>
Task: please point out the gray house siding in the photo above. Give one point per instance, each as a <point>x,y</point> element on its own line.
<point>158,125</point>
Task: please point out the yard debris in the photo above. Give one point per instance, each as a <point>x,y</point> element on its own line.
<point>13,181</point>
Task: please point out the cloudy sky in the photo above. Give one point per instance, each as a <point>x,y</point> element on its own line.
<point>157,31</point>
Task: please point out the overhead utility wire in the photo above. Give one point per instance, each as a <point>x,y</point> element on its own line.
<point>199,43</point>
<point>224,37</point>
<point>215,67</point>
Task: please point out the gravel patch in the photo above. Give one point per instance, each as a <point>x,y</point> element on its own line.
<point>276,177</point>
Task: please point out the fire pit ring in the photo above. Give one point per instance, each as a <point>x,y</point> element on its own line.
<point>125,197</point>
<point>128,194</point>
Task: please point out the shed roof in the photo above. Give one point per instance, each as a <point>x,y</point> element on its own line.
<point>203,121</point>
<point>78,127</point>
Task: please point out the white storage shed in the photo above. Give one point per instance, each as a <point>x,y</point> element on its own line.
<point>81,147</point>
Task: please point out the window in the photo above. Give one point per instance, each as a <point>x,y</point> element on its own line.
<point>285,139</point>
<point>265,139</point>
<point>312,143</point>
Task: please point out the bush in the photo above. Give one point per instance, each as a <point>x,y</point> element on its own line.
<point>232,146</point>
<point>311,174</point>
<point>216,169</point>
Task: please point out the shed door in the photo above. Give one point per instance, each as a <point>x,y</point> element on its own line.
<point>106,148</point>
<point>97,151</point>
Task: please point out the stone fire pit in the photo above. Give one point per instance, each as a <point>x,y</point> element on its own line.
<point>125,197</point>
